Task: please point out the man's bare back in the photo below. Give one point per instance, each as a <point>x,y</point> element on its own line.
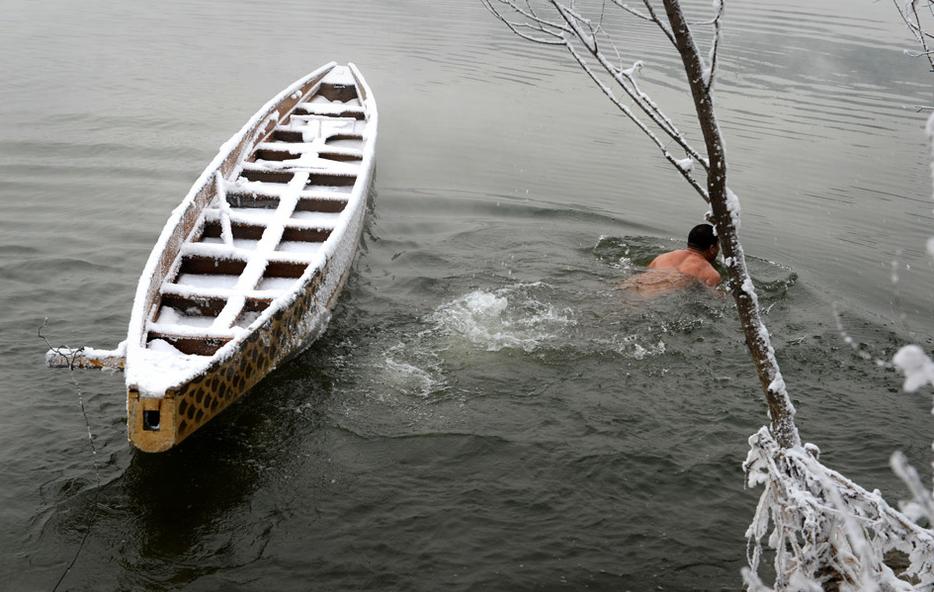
<point>688,262</point>
<point>679,269</point>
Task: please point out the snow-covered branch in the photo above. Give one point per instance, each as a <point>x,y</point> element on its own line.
<point>588,40</point>
<point>725,210</point>
<point>592,46</point>
<point>525,22</point>
<point>650,16</point>
<point>826,531</point>
<point>911,15</point>
<point>710,73</point>
<point>912,360</point>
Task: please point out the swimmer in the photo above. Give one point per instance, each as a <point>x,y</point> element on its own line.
<point>681,268</point>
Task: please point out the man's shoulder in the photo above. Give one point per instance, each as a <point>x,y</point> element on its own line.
<point>668,259</point>
<point>701,269</point>
<point>711,276</point>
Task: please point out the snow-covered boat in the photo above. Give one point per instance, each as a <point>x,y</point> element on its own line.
<point>249,266</point>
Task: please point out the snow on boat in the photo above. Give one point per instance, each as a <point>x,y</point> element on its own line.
<point>249,266</point>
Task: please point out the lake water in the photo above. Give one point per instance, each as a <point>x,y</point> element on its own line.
<point>487,411</point>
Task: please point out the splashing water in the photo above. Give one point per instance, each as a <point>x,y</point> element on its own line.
<point>412,370</point>
<point>508,317</point>
<point>630,346</point>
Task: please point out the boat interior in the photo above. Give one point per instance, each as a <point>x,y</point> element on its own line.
<point>266,224</point>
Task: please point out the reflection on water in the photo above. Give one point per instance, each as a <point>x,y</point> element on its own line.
<point>487,411</point>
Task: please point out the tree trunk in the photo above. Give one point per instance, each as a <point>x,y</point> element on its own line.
<point>725,209</point>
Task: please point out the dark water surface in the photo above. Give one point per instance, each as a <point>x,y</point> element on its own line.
<point>487,411</point>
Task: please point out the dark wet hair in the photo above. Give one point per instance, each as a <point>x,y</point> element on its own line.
<point>702,237</point>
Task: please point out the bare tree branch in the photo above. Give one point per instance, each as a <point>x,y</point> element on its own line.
<point>584,40</point>
<point>909,14</point>
<point>632,11</point>
<point>528,13</point>
<point>684,171</point>
<point>518,27</point>
<point>726,217</point>
<point>651,17</point>
<point>715,46</point>
<point>627,82</point>
<point>576,28</point>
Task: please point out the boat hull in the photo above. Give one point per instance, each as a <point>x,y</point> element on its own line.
<point>158,423</point>
<point>183,410</point>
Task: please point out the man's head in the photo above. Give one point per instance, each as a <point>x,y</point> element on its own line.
<point>702,238</point>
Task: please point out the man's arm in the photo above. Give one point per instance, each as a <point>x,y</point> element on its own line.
<point>711,277</point>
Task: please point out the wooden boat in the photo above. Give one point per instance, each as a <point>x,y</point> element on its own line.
<point>249,266</point>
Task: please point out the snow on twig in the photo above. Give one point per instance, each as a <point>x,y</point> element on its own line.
<point>641,125</point>
<point>710,73</point>
<point>918,369</point>
<point>632,11</point>
<point>576,28</point>
<point>650,16</point>
<point>912,19</point>
<point>627,82</point>
<point>826,530</point>
<point>530,21</point>
<point>583,40</point>
<point>922,503</point>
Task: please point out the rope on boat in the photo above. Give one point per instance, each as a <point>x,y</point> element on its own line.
<point>72,357</point>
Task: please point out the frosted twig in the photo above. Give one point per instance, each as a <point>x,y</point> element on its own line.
<point>825,526</point>
<point>632,116</point>
<point>528,13</point>
<point>715,47</point>
<point>530,25</point>
<point>651,17</point>
<point>517,27</point>
<point>581,37</point>
<point>632,11</point>
<point>909,14</point>
<point>910,477</point>
<point>922,34</point>
<point>627,82</point>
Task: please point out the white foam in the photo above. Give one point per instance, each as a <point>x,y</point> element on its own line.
<point>631,346</point>
<point>408,378</point>
<point>506,318</point>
